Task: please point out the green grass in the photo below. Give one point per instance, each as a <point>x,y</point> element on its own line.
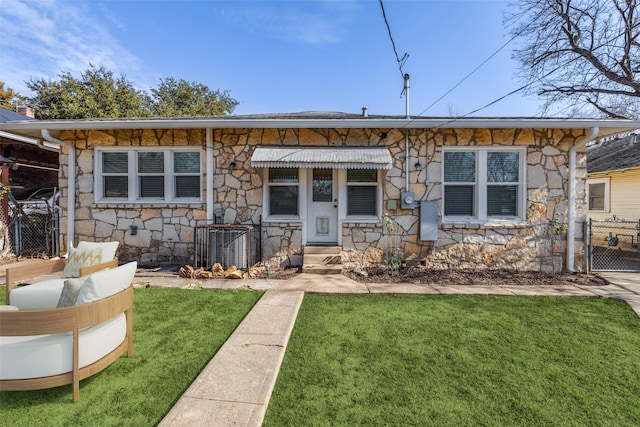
<point>176,332</point>
<point>460,360</point>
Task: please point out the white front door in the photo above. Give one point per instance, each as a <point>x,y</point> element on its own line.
<point>322,224</point>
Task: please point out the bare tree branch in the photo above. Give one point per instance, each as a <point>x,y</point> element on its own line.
<point>570,49</point>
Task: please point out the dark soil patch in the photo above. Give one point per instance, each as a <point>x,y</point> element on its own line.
<point>419,275</point>
<point>279,274</point>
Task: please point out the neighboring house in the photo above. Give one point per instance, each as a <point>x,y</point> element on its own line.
<point>613,180</point>
<point>497,186</point>
<point>33,166</point>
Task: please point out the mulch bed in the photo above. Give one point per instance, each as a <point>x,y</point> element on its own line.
<point>419,275</point>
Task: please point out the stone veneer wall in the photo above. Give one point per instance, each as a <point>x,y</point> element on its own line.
<point>165,234</point>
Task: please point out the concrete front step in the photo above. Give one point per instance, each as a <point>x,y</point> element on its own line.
<point>335,250</point>
<point>322,260</point>
<point>322,269</point>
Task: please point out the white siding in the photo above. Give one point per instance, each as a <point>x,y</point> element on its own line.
<point>624,195</point>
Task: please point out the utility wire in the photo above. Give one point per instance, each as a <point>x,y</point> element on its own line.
<point>468,75</point>
<point>485,106</point>
<point>517,34</point>
<point>498,99</point>
<point>404,58</point>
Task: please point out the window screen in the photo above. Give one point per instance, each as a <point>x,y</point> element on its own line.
<point>596,196</point>
<point>362,192</point>
<point>283,196</point>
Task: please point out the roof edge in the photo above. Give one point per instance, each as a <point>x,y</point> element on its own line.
<point>607,126</point>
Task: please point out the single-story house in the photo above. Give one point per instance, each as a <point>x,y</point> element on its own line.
<point>613,179</point>
<point>459,193</point>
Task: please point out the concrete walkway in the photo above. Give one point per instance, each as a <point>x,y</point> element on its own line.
<point>235,387</point>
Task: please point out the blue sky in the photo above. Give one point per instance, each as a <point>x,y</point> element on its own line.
<point>277,56</point>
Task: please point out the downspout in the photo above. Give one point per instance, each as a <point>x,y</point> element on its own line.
<point>46,147</point>
<point>571,226</point>
<point>71,186</point>
<point>209,166</point>
<point>406,133</point>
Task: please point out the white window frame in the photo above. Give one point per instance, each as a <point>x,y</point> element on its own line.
<point>134,176</point>
<point>607,192</point>
<point>343,197</point>
<point>266,196</point>
<point>481,183</point>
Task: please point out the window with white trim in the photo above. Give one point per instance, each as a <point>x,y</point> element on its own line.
<point>483,183</point>
<point>283,191</point>
<point>362,192</point>
<point>148,175</point>
<point>598,194</point>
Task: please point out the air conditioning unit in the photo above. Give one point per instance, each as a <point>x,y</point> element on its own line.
<point>229,246</point>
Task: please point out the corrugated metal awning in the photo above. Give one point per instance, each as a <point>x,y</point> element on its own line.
<point>322,157</point>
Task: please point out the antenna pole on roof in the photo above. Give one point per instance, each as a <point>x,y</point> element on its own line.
<point>405,91</point>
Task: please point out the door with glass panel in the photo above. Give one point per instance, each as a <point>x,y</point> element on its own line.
<point>322,223</point>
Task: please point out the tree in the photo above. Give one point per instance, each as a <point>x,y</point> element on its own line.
<point>96,94</point>
<point>180,98</point>
<point>581,54</point>
<point>9,98</point>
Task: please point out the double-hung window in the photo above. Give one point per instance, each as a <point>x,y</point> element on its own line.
<point>598,190</point>
<point>283,191</point>
<point>148,176</point>
<point>362,192</point>
<point>483,183</point>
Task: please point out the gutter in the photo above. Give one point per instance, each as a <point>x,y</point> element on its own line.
<point>571,229</point>
<point>71,187</point>
<point>613,126</point>
<point>27,140</point>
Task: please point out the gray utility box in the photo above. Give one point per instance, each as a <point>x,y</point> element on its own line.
<point>429,221</point>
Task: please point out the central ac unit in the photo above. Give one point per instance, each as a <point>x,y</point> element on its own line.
<point>229,246</point>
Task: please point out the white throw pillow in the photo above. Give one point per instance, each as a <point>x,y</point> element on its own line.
<point>70,291</point>
<point>78,258</point>
<point>108,249</point>
<point>105,283</point>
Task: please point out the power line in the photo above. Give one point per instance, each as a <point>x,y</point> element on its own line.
<point>517,34</point>
<point>468,75</point>
<point>485,106</point>
<point>499,99</point>
<point>399,60</point>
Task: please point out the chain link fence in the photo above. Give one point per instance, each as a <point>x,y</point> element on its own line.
<point>613,245</point>
<point>30,228</point>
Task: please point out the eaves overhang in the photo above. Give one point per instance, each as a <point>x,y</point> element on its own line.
<point>607,126</point>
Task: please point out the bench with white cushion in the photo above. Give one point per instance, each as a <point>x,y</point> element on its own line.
<point>43,345</point>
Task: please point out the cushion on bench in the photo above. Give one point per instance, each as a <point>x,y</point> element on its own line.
<point>108,249</point>
<point>105,283</point>
<point>44,355</point>
<point>39,296</point>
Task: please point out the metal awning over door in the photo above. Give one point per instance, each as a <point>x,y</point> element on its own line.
<point>322,157</point>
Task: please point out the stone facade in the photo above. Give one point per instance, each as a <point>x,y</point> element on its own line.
<point>165,233</point>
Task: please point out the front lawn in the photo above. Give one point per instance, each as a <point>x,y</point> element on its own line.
<point>460,360</point>
<point>176,332</point>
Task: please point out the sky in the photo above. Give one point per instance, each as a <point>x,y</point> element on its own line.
<point>279,56</point>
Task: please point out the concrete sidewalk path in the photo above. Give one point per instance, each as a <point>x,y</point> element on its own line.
<point>624,286</point>
<point>235,387</point>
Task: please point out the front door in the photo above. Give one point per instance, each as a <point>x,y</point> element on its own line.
<point>322,226</point>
